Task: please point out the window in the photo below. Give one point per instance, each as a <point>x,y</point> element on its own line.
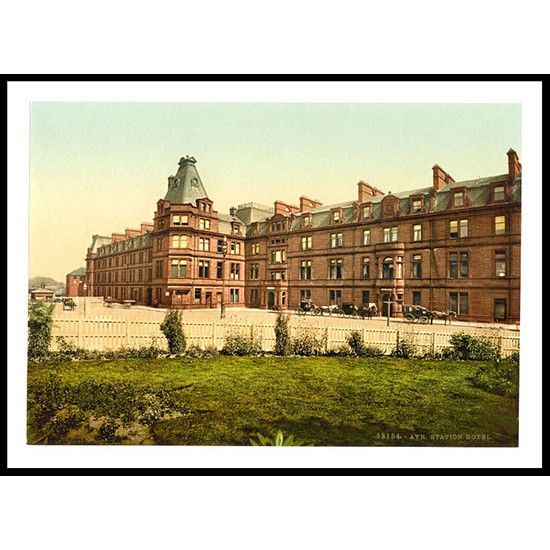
<point>335,271</point>
<point>235,228</point>
<point>159,244</point>
<point>417,301</point>
<point>255,248</point>
<point>158,269</point>
<point>458,228</point>
<point>204,244</point>
<point>204,269</point>
<point>233,295</point>
<point>180,219</point>
<point>458,198</point>
<point>254,296</point>
<point>337,216</point>
<point>179,268</point>
<point>366,297</point>
<point>306,243</point>
<point>254,271</point>
<point>366,268</point>
<point>390,234</point>
<point>235,271</point>
<point>278,256</point>
<point>458,264</point>
<point>500,263</point>
<point>235,248</point>
<point>336,240</point>
<point>498,193</point>
<point>367,211</point>
<point>416,205</point>
<point>335,297</point>
<point>417,266</point>
<point>197,296</point>
<point>180,241</point>
<point>500,225</point>
<point>305,269</point>
<point>500,309</point>
<point>278,275</point>
<point>307,220</point>
<point>219,270</point>
<point>458,302</point>
<point>204,223</point>
<point>387,268</point>
<point>366,237</point>
<point>417,232</point>
<point>305,295</point>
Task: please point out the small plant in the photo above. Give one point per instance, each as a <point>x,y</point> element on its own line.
<point>172,329</point>
<point>40,330</point>
<point>340,351</point>
<point>306,343</point>
<point>241,346</point>
<point>359,349</point>
<point>404,349</point>
<point>501,377</point>
<point>282,335</point>
<point>471,348</point>
<point>278,441</point>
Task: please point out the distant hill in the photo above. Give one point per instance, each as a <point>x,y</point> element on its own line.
<point>38,282</point>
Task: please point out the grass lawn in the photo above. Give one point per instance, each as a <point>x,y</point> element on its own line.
<point>323,401</point>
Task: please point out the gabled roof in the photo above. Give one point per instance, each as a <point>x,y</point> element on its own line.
<point>186,187</point>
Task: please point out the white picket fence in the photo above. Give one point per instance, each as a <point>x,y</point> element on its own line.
<point>109,333</point>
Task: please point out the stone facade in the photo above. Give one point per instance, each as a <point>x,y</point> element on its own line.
<point>448,246</point>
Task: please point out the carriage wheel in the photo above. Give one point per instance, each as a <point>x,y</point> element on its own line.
<point>318,311</point>
<point>423,320</point>
<point>300,311</point>
<point>409,318</point>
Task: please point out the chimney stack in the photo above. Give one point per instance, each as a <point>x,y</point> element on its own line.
<point>232,211</point>
<point>170,180</point>
<point>514,165</point>
<point>365,191</point>
<point>440,177</point>
<point>307,204</point>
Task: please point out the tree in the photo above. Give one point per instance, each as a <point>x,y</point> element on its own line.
<point>40,329</point>
<point>172,329</point>
<point>282,335</point>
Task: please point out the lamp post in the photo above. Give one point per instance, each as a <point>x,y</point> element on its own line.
<point>85,288</point>
<point>389,302</point>
<point>224,254</point>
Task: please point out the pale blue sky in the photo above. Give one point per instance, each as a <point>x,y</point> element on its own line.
<point>101,167</point>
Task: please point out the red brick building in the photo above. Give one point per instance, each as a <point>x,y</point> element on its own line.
<point>75,282</point>
<point>447,246</point>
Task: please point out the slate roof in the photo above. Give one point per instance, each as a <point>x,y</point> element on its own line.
<point>80,272</point>
<point>187,185</point>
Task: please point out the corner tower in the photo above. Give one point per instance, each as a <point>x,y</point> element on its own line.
<point>186,186</point>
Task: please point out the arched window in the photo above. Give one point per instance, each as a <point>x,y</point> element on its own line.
<point>387,268</point>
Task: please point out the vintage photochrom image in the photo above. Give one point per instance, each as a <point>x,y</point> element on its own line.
<point>246,274</point>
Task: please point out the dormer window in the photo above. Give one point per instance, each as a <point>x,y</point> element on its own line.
<point>337,215</point>
<point>367,211</point>
<point>417,205</point>
<point>235,228</point>
<point>498,193</point>
<point>458,198</point>
<point>306,220</point>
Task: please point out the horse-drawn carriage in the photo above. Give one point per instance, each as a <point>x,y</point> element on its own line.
<point>419,314</point>
<point>307,306</point>
<point>366,311</point>
<point>69,304</point>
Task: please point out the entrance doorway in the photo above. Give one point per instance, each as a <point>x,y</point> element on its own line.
<point>271,299</point>
<point>219,298</point>
<point>500,309</point>
<point>209,299</point>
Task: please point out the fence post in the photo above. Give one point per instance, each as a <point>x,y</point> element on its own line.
<point>127,328</point>
<point>433,343</point>
<point>78,332</point>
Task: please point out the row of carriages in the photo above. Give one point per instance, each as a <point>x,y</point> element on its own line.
<point>365,311</point>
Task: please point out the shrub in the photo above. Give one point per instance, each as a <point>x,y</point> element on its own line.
<point>340,351</point>
<point>358,347</point>
<point>241,345</point>
<point>278,441</point>
<point>194,351</point>
<point>172,329</point>
<point>306,343</point>
<point>282,335</point>
<point>40,329</point>
<point>500,377</point>
<point>404,349</point>
<point>471,348</point>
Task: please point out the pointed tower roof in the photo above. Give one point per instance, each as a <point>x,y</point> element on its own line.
<point>186,186</point>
